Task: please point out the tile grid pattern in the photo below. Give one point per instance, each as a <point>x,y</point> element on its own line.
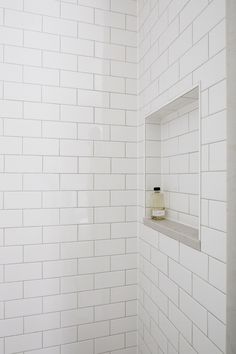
<point>68,176</point>
<point>182,291</point>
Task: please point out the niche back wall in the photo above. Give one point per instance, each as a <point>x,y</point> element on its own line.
<point>68,176</point>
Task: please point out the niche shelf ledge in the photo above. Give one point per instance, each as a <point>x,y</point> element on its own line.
<point>180,232</point>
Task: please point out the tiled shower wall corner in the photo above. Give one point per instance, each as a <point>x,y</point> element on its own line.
<point>68,176</point>
<point>182,294</point>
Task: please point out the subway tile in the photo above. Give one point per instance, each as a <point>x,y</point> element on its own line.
<point>10,255</point>
<point>10,182</point>
<point>22,200</point>
<point>41,111</point>
<point>217,274</point>
<point>25,307</point>
<point>109,214</point>
<point>109,51</point>
<point>10,218</point>
<point>59,164</point>
<point>180,275</point>
<point>40,182</point>
<point>59,233</point>
<point>109,83</point>
<point>109,343</point>
<point>45,7</point>
<point>93,32</point>
<point>22,92</point>
<point>76,182</point>
<point>23,20</point>
<point>22,127</point>
<point>41,322</point>
<point>76,80</point>
<point>94,165</point>
<point>76,114</point>
<point>194,57</point>
<point>85,346</point>
<point>204,23</point>
<point>37,217</point>
<point>195,261</point>
<point>217,38</point>
<point>93,297</point>
<point>124,293</point>
<point>99,4</point>
<point>211,298</point>
<point>59,268</point>
<point>181,322</point>
<point>109,149</point>
<point>217,332</point>
<point>93,330</point>
<point>11,36</point>
<point>59,336</point>
<point>94,232</point>
<point>121,69</point>
<point>11,291</point>
<point>59,302</point>
<point>19,272</point>
<point>94,265</point>
<point>40,40</point>
<point>59,26</point>
<point>76,317</point>
<point>111,19</point>
<point>76,216</point>
<point>209,244</point>
<point>12,4</point>
<point>59,61</point>
<point>109,279</point>
<point>11,109</point>
<point>77,283</point>
<point>76,250</point>
<point>111,311</point>
<point>41,76</point>
<point>194,311</point>
<point>23,342</point>
<point>59,95</point>
<point>214,128</point>
<point>41,287</point>
<point>93,199</point>
<point>93,98</point>
<point>76,13</point>
<point>212,71</point>
<point>93,132</point>
<point>202,343</point>
<point>190,11</point>
<point>210,183</point>
<point>127,7</point>
<point>10,72</point>
<point>23,236</point>
<point>24,56</point>
<point>109,247</point>
<point>40,253</point>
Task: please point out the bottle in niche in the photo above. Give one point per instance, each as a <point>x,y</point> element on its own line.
<point>158,204</point>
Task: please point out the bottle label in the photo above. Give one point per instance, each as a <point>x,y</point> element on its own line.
<point>158,213</point>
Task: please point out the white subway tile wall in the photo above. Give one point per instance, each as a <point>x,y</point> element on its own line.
<point>68,177</point>
<point>182,292</point>
<point>68,166</point>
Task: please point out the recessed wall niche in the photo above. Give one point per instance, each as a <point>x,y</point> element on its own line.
<point>172,158</point>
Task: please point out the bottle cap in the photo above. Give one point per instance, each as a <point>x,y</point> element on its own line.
<point>157,189</point>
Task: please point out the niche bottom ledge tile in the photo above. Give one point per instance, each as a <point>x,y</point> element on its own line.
<point>180,232</point>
